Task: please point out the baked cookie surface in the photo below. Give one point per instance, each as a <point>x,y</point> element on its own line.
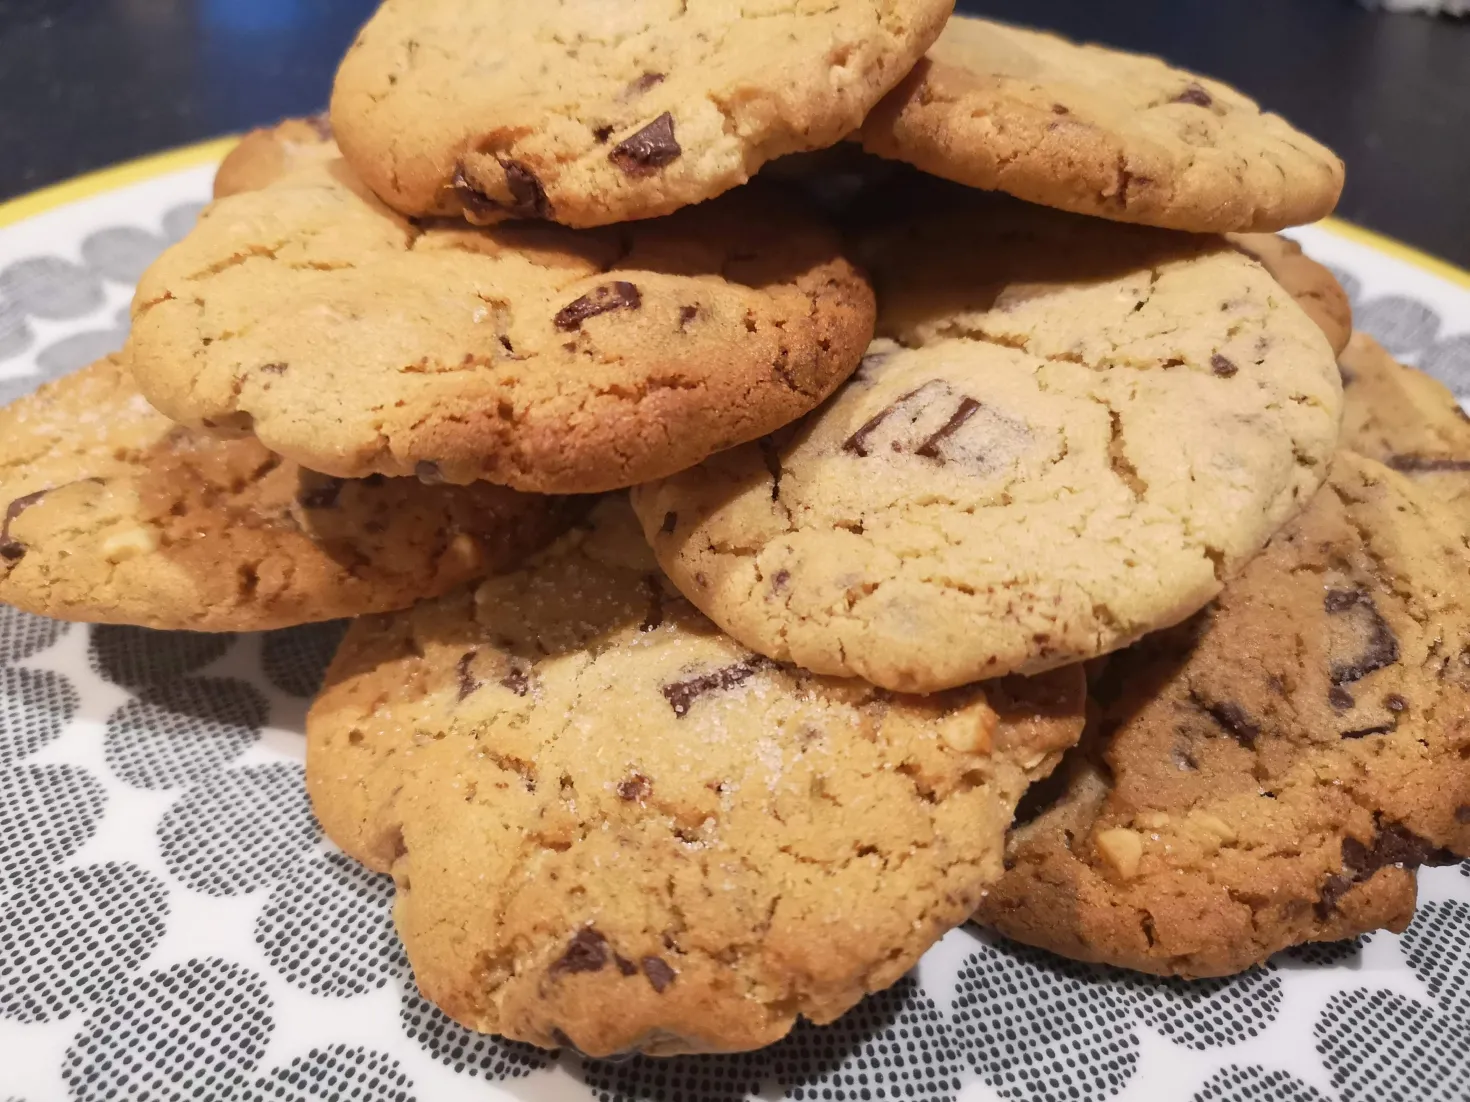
<point>589,113</point>
<point>611,826</point>
<point>527,354</point>
<point>269,152</point>
<point>1100,132</point>
<point>1272,771</point>
<point>1315,289</point>
<point>111,513</point>
<point>1070,434</point>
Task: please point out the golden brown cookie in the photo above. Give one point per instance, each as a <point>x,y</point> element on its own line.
<point>1272,771</point>
<point>589,113</point>
<point>109,512</point>
<point>1315,289</point>
<point>1100,132</point>
<point>612,826</point>
<point>528,354</point>
<point>1075,433</point>
<point>269,152</point>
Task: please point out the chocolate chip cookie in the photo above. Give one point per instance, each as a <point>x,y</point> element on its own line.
<point>1315,289</point>
<point>1409,421</point>
<point>111,513</point>
<point>1100,132</point>
<point>356,342</point>
<point>1272,771</point>
<point>269,152</point>
<point>1073,433</point>
<point>589,113</point>
<point>613,827</point>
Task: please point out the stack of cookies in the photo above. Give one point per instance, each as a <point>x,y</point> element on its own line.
<point>808,476</point>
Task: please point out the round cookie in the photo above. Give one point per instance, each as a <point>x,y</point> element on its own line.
<point>589,113</point>
<point>1100,132</point>
<point>1272,771</point>
<point>111,513</point>
<point>1080,432</point>
<point>269,152</point>
<point>613,827</point>
<point>548,359</point>
<point>1315,289</point>
<point>1409,421</point>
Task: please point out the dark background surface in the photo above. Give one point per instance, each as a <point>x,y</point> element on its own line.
<point>85,83</point>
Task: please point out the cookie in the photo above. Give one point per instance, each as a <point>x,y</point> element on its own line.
<point>593,113</point>
<point>1410,421</point>
<point>267,153</point>
<point>1315,289</point>
<point>1100,132</point>
<point>1271,772</point>
<point>1072,433</point>
<point>613,827</point>
<point>114,514</point>
<point>561,361</point>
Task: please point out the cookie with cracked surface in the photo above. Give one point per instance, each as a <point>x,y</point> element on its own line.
<point>589,113</point>
<point>1409,421</point>
<point>1315,289</point>
<point>1272,771</point>
<point>269,152</point>
<point>1100,132</point>
<point>611,826</point>
<point>1073,434</point>
<point>528,354</point>
<point>111,513</point>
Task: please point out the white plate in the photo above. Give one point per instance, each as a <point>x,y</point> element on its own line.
<point>172,924</point>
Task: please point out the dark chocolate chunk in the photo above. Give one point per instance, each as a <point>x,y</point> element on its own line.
<point>625,966</point>
<point>529,197</point>
<point>468,683</point>
<point>659,974</point>
<point>274,368</point>
<point>1340,699</point>
<point>649,149</point>
<point>1395,703</point>
<point>929,449</point>
<point>587,952</point>
<point>681,695</point>
<point>618,295</point>
<point>1380,646</point>
<point>1196,95</point>
<point>671,521</point>
<point>1059,109</point>
<point>857,443</point>
<point>1394,844</point>
<point>1236,722</point>
<point>636,787</point>
<point>474,201</point>
<point>516,681</point>
<point>428,473</point>
<point>1424,464</point>
<point>1222,366</point>
<point>322,496</point>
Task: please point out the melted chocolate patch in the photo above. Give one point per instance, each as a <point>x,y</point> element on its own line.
<point>1378,646</point>
<point>636,787</point>
<point>13,549</point>
<point>1196,95</point>
<point>587,952</point>
<point>1425,464</point>
<point>468,683</point>
<point>681,695</point>
<point>1222,366</point>
<point>527,195</point>
<point>648,150</point>
<point>474,201</point>
<point>1232,718</point>
<point>659,974</point>
<point>1394,844</point>
<point>929,449</point>
<point>618,295</point>
<point>323,496</point>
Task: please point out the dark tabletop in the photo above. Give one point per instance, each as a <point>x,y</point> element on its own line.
<point>84,83</point>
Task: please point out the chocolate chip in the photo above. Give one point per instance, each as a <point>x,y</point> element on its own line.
<point>625,966</point>
<point>686,315</point>
<point>323,496</point>
<point>857,443</point>
<point>274,369</point>
<point>1222,366</point>
<point>654,619</point>
<point>428,473</point>
<point>618,295</point>
<point>929,449</point>
<point>527,195</point>
<point>1393,844</point>
<point>681,695</point>
<point>671,521</point>
<point>642,84</point>
<point>778,583</point>
<point>468,683</point>
<point>1364,732</point>
<point>1423,464</point>
<point>659,974</point>
<point>13,549</point>
<point>516,680</point>
<point>1395,703</point>
<point>602,133</point>
<point>637,787</point>
<point>1059,109</point>
<point>587,952</point>
<point>1379,648</point>
<point>1196,95</point>
<point>1236,722</point>
<point>1340,699</point>
<point>474,201</point>
<point>649,149</point>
